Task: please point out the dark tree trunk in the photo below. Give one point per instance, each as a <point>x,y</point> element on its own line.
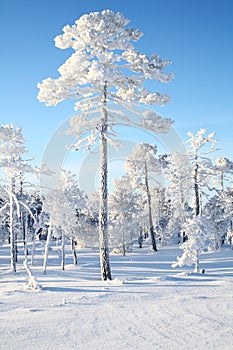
<point>24,229</point>
<point>103,212</point>
<point>151,227</point>
<point>140,238</point>
<point>74,252</point>
<point>196,189</point>
<point>62,250</point>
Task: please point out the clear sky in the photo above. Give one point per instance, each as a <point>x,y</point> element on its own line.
<point>195,35</point>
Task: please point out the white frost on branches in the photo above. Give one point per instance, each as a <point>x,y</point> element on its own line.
<point>155,122</point>
<point>104,56</point>
<point>124,208</point>
<point>198,241</point>
<point>143,153</point>
<point>63,204</point>
<point>11,150</point>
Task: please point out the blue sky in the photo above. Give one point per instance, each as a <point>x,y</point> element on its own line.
<point>195,35</point>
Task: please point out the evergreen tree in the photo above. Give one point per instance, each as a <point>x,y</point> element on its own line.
<point>105,67</point>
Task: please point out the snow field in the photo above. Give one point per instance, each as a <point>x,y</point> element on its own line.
<point>148,305</point>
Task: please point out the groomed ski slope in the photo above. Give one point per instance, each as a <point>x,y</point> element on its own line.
<point>148,305</point>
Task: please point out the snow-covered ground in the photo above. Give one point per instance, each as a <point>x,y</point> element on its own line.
<point>147,305</point>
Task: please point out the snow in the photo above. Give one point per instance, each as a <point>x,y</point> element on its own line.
<point>147,305</point>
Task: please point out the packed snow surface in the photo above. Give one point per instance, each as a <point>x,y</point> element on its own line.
<point>147,305</point>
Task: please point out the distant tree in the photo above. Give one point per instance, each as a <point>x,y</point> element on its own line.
<point>12,150</point>
<point>4,217</point>
<point>200,145</point>
<point>140,164</point>
<point>196,228</point>
<point>124,207</point>
<point>223,168</point>
<point>218,208</point>
<point>218,219</point>
<point>34,226</point>
<point>62,205</point>
<point>105,67</point>
<point>198,241</point>
<point>228,200</point>
<point>168,222</point>
<point>179,174</point>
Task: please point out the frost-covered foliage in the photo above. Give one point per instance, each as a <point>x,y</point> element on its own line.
<point>140,165</point>
<point>218,212</point>
<point>200,139</point>
<point>103,51</point>
<point>198,241</point>
<point>228,204</point>
<point>224,164</point>
<point>167,222</point>
<point>105,61</point>
<point>143,153</point>
<point>200,145</point>
<point>178,172</point>
<point>12,149</point>
<point>198,228</point>
<point>224,170</point>
<point>125,209</point>
<point>64,203</point>
<point>63,206</point>
<point>144,164</point>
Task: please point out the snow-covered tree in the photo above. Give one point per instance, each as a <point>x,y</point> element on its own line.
<point>124,204</point>
<point>105,67</point>
<point>179,174</point>
<point>12,150</point>
<point>199,149</point>
<point>88,236</point>
<point>218,220</point>
<point>198,241</point>
<point>223,168</point>
<point>4,218</point>
<point>218,208</point>
<point>228,200</point>
<point>196,228</point>
<point>63,206</point>
<point>140,164</point>
<point>168,222</point>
